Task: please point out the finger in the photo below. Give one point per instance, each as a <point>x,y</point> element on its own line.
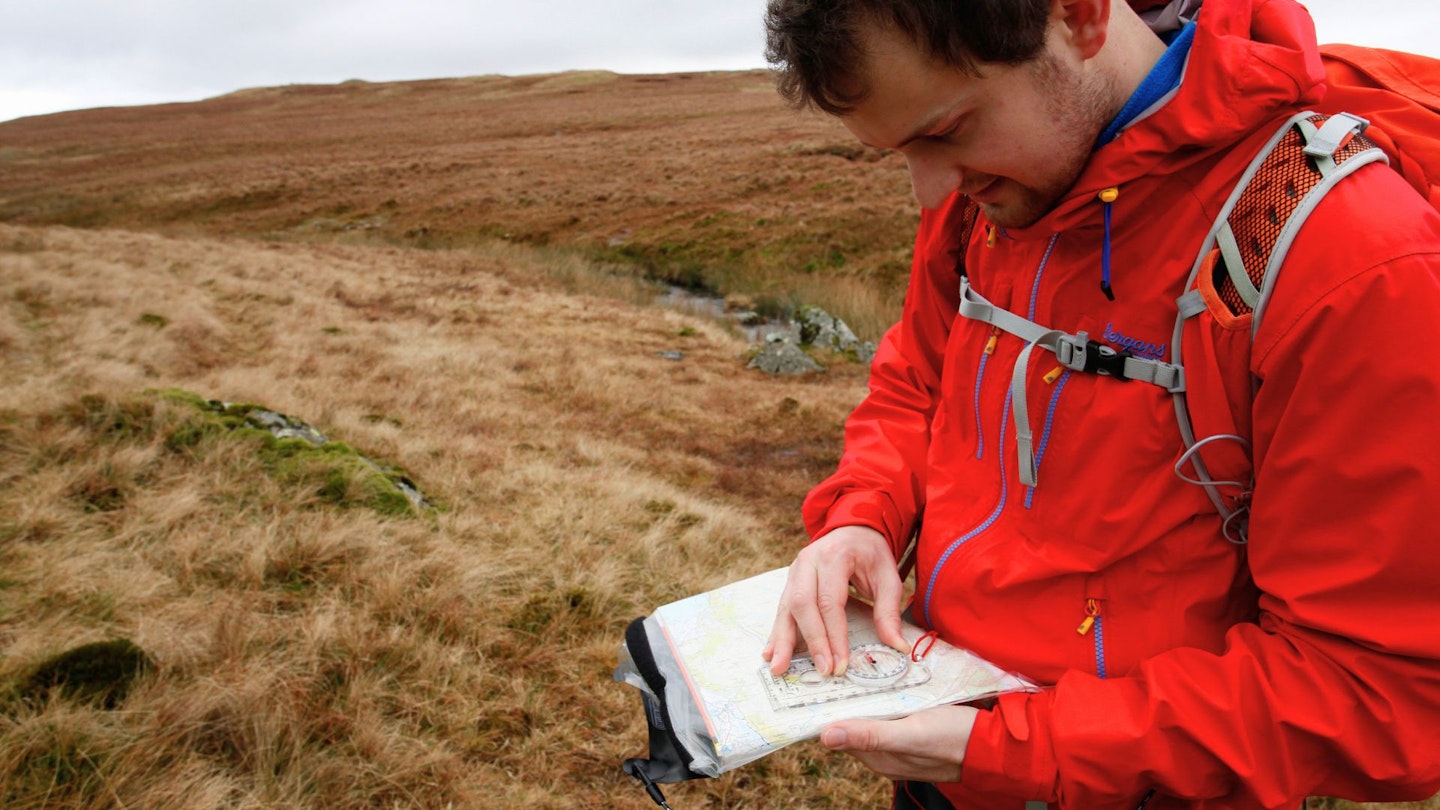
<point>889,593</point>
<point>807,612</point>
<point>780,647</point>
<point>836,629</point>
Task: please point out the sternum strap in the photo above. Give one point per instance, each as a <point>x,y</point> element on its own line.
<point>1074,351</point>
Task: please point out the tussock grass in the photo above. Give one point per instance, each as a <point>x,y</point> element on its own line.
<point>454,281</point>
<point>310,655</point>
<point>305,654</point>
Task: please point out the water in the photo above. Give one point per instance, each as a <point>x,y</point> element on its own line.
<point>755,328</point>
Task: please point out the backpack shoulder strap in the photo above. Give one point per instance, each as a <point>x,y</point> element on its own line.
<point>1273,199</point>
<point>1283,184</point>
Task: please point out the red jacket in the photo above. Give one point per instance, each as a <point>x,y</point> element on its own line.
<point>1214,674</point>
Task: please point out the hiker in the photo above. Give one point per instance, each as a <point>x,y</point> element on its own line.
<point>1246,643</point>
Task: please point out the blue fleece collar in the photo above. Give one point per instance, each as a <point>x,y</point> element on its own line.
<point>1161,79</point>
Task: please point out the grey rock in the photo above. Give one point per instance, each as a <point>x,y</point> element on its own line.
<point>823,330</point>
<point>784,357</point>
<point>284,427</point>
<point>864,352</point>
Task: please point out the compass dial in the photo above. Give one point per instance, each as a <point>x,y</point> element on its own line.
<point>876,665</point>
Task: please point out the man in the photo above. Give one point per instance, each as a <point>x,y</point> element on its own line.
<point>1181,670</point>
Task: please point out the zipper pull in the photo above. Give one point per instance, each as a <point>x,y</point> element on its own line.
<point>994,339</point>
<point>1092,612</point>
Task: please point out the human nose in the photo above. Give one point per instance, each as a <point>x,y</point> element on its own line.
<point>934,176</point>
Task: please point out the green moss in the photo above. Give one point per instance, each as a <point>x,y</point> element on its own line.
<point>178,396</point>
<point>115,421</point>
<point>334,471</point>
<point>151,319</point>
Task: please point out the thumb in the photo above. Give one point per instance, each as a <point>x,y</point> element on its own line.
<point>852,735</point>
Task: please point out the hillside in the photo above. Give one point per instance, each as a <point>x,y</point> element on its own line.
<point>309,646</point>
<point>705,179</point>
<point>454,281</point>
<point>396,266</point>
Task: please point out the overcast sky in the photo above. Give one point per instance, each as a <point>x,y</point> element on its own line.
<point>72,54</point>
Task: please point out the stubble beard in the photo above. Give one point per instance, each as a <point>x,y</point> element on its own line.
<point>1080,107</point>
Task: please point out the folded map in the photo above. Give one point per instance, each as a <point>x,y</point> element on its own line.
<point>726,709</point>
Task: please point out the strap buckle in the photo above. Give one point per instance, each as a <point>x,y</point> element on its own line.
<point>1080,353</point>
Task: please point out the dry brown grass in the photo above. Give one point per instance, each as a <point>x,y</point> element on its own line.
<point>309,656</point>
<point>699,178</point>
<point>443,278</point>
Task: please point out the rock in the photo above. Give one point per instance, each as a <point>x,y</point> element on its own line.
<point>820,328</point>
<point>864,352</point>
<point>783,357</point>
<point>284,427</point>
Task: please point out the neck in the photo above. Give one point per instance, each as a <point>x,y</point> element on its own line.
<point>1131,51</point>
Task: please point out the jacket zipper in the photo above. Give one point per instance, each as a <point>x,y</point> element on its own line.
<point>994,515</point>
<point>1058,378</point>
<point>979,381</point>
<point>1094,623</point>
<point>978,530</point>
<point>1049,378</point>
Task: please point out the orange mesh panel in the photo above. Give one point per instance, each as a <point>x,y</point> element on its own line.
<point>967,222</point>
<point>966,227</point>
<point>1284,178</point>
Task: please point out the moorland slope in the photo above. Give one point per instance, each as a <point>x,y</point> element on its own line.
<point>701,178</point>
<point>448,277</point>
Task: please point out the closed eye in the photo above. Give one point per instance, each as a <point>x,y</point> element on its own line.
<point>952,131</point>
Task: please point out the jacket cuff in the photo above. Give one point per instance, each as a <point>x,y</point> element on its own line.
<point>1010,752</point>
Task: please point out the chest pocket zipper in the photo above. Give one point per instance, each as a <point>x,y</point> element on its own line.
<point>1094,623</point>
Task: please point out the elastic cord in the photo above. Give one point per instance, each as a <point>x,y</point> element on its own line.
<point>1108,197</point>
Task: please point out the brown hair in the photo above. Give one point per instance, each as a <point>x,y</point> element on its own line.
<point>816,49</point>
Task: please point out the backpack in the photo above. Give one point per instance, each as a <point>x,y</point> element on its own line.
<point>1244,251</point>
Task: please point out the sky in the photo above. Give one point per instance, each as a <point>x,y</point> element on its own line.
<point>60,55</point>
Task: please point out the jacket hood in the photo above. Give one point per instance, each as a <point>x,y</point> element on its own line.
<point>1251,63</point>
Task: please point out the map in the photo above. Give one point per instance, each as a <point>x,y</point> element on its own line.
<point>716,639</point>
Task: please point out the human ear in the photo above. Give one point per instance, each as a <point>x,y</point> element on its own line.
<point>1085,24</point>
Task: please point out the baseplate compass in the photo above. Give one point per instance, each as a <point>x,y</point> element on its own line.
<point>873,668</point>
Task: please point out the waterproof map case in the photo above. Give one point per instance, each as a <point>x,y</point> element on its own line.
<point>712,705</point>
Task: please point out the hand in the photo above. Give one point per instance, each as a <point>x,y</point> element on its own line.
<point>928,746</point>
<point>813,603</point>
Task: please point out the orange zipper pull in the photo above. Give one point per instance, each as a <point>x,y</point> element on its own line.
<point>994,340</point>
<point>992,235</point>
<point>1054,374</point>
<point>1092,612</point>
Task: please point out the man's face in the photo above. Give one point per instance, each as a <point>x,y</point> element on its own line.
<point>1013,139</point>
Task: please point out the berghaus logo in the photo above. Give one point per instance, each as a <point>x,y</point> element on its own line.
<point>1137,347</point>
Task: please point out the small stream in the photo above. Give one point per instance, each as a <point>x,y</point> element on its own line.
<point>755,328</point>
